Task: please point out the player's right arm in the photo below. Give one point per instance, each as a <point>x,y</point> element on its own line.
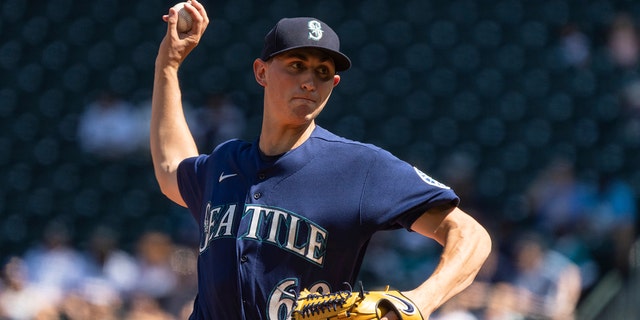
<point>466,246</point>
<point>170,138</point>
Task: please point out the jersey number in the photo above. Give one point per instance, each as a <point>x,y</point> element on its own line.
<point>283,298</point>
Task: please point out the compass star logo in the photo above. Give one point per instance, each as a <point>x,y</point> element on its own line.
<point>315,30</point>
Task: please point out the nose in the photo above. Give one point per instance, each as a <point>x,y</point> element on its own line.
<point>308,82</point>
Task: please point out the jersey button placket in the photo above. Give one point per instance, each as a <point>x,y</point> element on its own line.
<point>257,195</point>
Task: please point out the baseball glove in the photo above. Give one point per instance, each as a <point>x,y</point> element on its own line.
<point>354,305</point>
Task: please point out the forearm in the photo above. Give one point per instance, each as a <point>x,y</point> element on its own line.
<point>170,138</point>
<point>466,246</point>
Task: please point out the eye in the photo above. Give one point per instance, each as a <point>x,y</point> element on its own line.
<point>297,65</point>
<point>324,72</point>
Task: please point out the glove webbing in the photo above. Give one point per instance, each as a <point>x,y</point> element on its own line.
<point>329,304</point>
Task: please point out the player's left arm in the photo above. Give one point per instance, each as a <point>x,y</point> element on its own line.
<point>466,245</point>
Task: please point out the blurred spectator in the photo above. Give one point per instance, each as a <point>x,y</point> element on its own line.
<point>528,280</point>
<point>406,257</point>
<point>546,284</point>
<point>472,303</point>
<point>219,120</point>
<point>54,265</point>
<point>557,199</point>
<point>91,302</point>
<point>184,263</point>
<point>141,116</point>
<point>574,46</point>
<point>144,307</point>
<point>19,299</point>
<point>105,282</point>
<point>108,128</point>
<point>559,202</point>
<point>157,278</point>
<point>624,51</point>
<point>108,266</point>
<point>609,227</point>
<point>623,42</point>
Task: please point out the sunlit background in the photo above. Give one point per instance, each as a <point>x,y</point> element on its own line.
<point>530,110</point>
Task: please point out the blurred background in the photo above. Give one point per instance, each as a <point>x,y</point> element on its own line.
<point>530,110</point>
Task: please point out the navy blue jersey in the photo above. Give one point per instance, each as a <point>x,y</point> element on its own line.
<point>270,227</point>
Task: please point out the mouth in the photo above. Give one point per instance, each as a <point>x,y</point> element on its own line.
<point>305,99</point>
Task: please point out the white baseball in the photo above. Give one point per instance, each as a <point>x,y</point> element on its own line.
<point>184,18</point>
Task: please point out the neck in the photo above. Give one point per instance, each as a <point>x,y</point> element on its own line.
<point>278,141</point>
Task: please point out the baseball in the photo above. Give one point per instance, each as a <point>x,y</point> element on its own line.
<point>184,18</point>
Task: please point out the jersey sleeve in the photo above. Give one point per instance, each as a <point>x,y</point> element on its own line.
<point>396,193</point>
<point>191,182</point>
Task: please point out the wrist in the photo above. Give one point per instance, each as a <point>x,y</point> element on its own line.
<point>165,65</point>
<point>425,300</point>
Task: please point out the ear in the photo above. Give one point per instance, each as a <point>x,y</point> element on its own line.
<point>259,71</point>
<point>336,80</point>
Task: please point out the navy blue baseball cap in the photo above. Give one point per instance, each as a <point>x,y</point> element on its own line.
<point>293,33</point>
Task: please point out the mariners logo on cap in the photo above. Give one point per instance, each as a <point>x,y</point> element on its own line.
<point>315,30</point>
<point>304,32</point>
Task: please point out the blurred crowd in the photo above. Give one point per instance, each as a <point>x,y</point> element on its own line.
<point>100,280</point>
<point>112,128</point>
<point>573,227</point>
<point>575,232</point>
<point>60,278</point>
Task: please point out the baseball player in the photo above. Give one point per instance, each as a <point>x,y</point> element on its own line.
<point>295,208</point>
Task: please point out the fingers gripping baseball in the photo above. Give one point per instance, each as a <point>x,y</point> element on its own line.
<point>177,45</point>
<point>187,19</point>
